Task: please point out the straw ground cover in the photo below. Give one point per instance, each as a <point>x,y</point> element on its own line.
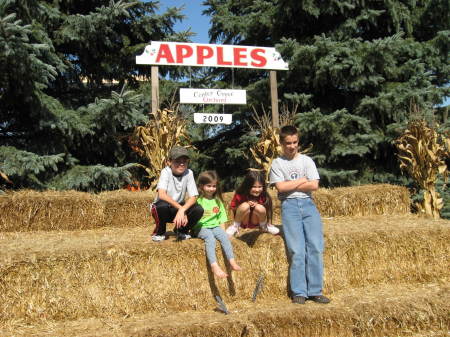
<point>111,273</point>
<point>31,211</point>
<point>381,310</point>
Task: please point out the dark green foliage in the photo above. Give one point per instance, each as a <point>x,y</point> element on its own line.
<point>63,99</point>
<point>93,178</point>
<point>355,69</point>
<point>27,169</point>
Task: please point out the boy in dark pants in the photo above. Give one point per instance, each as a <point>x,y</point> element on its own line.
<point>170,205</point>
<point>295,176</point>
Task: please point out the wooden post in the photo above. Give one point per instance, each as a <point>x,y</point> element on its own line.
<point>274,99</point>
<point>155,89</point>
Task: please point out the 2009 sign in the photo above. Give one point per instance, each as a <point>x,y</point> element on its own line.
<point>204,118</point>
<point>212,119</point>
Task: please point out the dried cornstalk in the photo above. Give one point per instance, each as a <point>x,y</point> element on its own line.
<point>422,153</point>
<point>153,141</point>
<point>4,177</point>
<point>269,147</point>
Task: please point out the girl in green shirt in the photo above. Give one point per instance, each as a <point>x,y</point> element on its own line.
<point>211,226</point>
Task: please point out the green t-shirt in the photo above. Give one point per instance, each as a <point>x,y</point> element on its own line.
<point>214,213</point>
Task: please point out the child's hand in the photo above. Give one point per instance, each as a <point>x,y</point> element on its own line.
<point>180,219</point>
<point>252,204</point>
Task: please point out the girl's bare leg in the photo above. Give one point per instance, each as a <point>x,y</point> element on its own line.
<point>234,265</point>
<point>259,215</point>
<point>242,212</point>
<point>215,268</point>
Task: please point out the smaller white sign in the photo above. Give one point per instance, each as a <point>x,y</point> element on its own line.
<point>203,118</point>
<point>212,96</point>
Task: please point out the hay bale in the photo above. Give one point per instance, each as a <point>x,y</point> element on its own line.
<point>366,200</point>
<point>51,210</point>
<point>398,310</point>
<point>123,208</point>
<point>119,272</point>
<point>28,210</point>
<point>363,200</point>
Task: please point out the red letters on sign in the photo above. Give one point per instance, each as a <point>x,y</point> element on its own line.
<point>256,55</point>
<point>239,53</point>
<point>164,52</point>
<point>204,52</point>
<point>220,59</point>
<point>213,55</point>
<point>183,51</point>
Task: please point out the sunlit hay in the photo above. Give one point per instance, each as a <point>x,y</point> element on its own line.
<point>378,311</point>
<point>373,311</point>
<point>139,276</point>
<point>28,210</point>
<point>381,199</point>
<point>127,209</point>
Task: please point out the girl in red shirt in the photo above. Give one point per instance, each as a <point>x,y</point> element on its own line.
<point>252,205</point>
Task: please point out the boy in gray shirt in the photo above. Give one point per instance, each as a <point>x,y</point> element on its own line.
<point>295,176</point>
<point>174,182</point>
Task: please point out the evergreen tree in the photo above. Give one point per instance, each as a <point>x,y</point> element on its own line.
<point>355,67</point>
<point>65,112</point>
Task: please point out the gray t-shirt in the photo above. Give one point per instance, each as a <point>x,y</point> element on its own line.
<point>284,169</point>
<point>177,187</point>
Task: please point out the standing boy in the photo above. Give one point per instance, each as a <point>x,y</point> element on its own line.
<point>295,176</point>
<point>170,205</point>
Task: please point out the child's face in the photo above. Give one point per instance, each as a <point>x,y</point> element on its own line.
<point>290,146</point>
<point>210,189</point>
<point>256,189</point>
<point>179,165</point>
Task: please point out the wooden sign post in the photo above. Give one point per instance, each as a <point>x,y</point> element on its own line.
<point>155,89</point>
<point>274,99</point>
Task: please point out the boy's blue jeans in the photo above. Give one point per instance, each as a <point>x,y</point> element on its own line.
<point>303,234</point>
<point>210,235</point>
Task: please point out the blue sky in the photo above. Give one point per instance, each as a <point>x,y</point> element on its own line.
<point>198,23</point>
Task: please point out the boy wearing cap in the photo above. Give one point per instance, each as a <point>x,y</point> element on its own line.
<point>170,205</point>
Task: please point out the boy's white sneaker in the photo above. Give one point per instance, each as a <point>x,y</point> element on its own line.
<point>158,238</point>
<point>232,230</point>
<point>269,228</point>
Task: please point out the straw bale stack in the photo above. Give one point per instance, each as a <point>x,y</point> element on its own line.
<point>50,276</point>
<point>30,211</point>
<point>123,208</point>
<point>399,310</point>
<point>383,199</point>
<point>51,210</point>
<point>365,200</point>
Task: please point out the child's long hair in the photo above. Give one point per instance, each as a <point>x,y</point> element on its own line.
<point>250,179</point>
<point>208,177</point>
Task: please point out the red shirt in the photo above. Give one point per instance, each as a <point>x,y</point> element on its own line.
<point>240,198</point>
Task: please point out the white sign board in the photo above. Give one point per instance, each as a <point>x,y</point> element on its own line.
<point>212,96</point>
<point>204,118</point>
<point>211,55</point>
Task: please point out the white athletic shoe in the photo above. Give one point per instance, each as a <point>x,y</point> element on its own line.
<point>158,238</point>
<point>232,230</point>
<point>269,228</point>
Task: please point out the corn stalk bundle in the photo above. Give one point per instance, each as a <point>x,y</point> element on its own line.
<point>422,153</point>
<point>153,141</point>
<point>268,146</point>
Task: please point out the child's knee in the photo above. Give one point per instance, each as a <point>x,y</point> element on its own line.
<point>260,209</point>
<point>243,208</point>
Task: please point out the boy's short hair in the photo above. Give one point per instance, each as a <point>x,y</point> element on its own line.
<point>178,152</point>
<point>287,130</point>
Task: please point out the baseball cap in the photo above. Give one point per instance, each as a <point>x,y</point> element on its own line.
<point>177,152</point>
